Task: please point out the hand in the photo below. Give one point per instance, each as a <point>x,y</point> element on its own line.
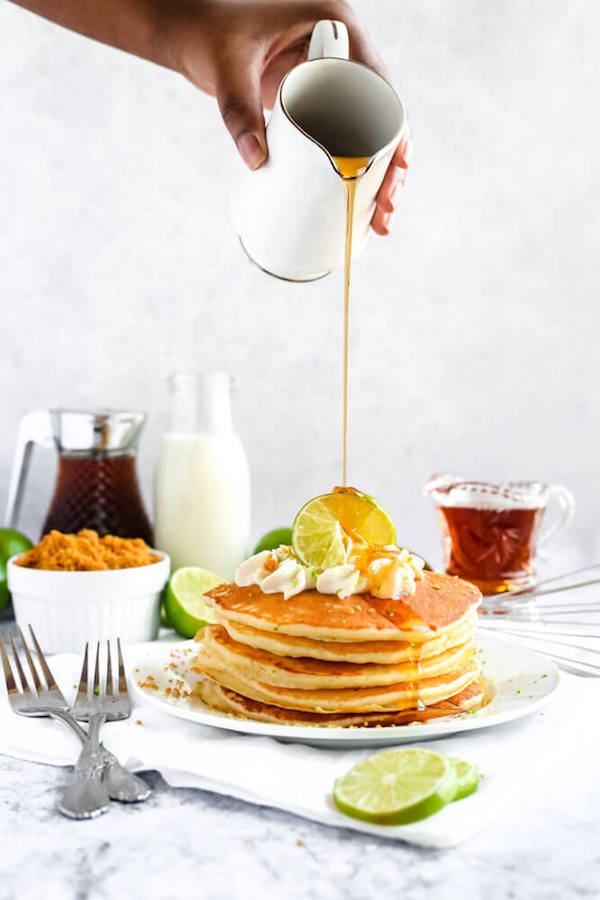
<point>239,51</point>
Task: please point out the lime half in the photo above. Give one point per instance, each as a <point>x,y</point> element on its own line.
<point>321,523</point>
<point>186,609</point>
<point>397,787</point>
<point>467,775</point>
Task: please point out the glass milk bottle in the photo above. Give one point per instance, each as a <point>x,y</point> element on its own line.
<point>202,483</point>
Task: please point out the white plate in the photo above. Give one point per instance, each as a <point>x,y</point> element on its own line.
<point>521,681</point>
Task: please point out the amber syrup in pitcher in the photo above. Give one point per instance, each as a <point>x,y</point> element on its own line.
<point>493,548</point>
<point>98,491</point>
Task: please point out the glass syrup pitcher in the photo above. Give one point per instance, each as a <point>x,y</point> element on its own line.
<point>491,532</point>
<point>96,483</point>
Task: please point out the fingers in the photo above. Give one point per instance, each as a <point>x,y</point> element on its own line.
<point>391,188</point>
<point>388,195</point>
<point>239,99</point>
<point>382,222</point>
<point>403,152</point>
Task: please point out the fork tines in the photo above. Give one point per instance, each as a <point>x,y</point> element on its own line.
<point>101,696</point>
<point>83,686</point>
<point>36,689</point>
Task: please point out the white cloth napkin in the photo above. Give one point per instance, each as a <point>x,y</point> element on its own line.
<point>299,778</point>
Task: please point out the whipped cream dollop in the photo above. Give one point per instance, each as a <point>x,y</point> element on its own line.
<point>384,572</point>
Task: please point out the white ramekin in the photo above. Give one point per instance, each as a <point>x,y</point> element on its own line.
<point>66,609</point>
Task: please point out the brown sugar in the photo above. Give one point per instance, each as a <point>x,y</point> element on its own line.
<point>87,551</point>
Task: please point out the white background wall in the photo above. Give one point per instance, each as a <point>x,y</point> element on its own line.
<point>475,327</point>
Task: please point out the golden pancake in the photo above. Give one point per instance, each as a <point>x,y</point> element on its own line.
<point>252,665</point>
<point>439,602</point>
<point>225,700</point>
<point>319,658</point>
<point>349,651</point>
<point>386,698</point>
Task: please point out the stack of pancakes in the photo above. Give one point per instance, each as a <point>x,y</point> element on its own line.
<point>360,660</point>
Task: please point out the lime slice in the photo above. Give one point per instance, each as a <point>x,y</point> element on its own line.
<point>467,775</point>
<point>274,539</point>
<point>320,525</point>
<point>396,787</point>
<point>186,609</point>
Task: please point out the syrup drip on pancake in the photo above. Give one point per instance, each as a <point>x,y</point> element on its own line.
<point>438,602</point>
<point>438,599</point>
<point>415,658</point>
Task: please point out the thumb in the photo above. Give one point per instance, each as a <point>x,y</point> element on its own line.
<point>240,102</point>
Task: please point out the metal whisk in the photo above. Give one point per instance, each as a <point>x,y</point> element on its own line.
<point>564,630</point>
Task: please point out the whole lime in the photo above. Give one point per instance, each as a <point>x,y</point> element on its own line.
<point>11,543</point>
<point>273,539</point>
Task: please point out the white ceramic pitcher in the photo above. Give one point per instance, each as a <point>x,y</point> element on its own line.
<point>290,214</point>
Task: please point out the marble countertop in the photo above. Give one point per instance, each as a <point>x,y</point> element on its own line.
<point>186,840</point>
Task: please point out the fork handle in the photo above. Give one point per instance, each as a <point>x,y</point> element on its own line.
<point>120,783</point>
<point>86,797</point>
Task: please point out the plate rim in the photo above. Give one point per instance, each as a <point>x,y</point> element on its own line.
<point>358,734</point>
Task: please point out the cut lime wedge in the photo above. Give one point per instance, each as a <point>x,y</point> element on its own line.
<point>397,787</point>
<point>467,777</point>
<point>321,523</point>
<point>186,609</point>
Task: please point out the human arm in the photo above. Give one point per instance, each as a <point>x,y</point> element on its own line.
<point>235,50</point>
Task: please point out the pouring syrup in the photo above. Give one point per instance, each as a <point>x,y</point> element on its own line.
<point>351,170</point>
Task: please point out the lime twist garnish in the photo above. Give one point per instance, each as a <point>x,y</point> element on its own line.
<point>321,528</point>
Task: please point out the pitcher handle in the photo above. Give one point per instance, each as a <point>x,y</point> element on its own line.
<point>34,428</point>
<point>566,503</point>
<point>329,38</point>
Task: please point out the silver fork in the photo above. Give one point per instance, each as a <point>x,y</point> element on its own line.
<point>96,707</point>
<point>47,700</point>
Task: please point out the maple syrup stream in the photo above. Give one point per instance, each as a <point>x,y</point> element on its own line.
<point>351,168</point>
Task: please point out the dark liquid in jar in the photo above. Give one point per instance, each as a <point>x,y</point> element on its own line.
<point>101,493</point>
<point>493,548</point>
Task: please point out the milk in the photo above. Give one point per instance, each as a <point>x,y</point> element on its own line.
<point>202,482</point>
